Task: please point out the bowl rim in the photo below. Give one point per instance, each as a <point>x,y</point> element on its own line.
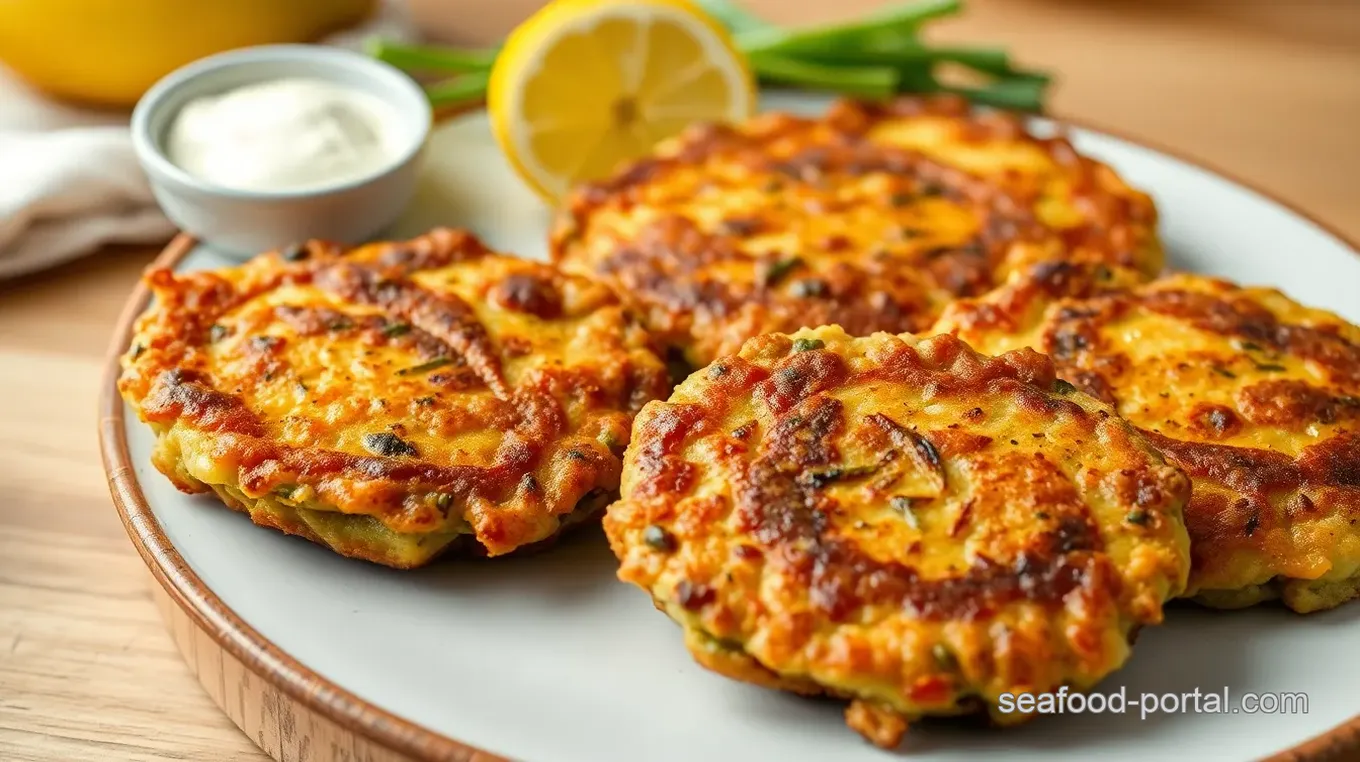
<point>401,93</point>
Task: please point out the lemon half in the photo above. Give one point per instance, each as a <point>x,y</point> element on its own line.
<point>584,85</point>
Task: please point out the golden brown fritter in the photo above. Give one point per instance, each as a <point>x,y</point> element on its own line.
<point>871,217</point>
<point>389,400</point>
<point>1253,395</point>
<point>905,523</point>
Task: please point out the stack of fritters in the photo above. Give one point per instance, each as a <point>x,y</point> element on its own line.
<point>880,519</point>
<point>903,522</point>
<point>873,218</point>
<point>390,400</point>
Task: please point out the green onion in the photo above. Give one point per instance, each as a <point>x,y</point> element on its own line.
<point>913,52</point>
<point>1020,93</point>
<point>877,56</point>
<point>393,330</point>
<point>867,81</point>
<point>424,58</point>
<point>779,269</point>
<point>469,88</point>
<point>876,27</point>
<point>425,367</point>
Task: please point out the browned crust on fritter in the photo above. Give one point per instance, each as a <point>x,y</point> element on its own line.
<point>705,291</point>
<point>760,509</point>
<point>1266,420</point>
<point>298,528</point>
<point>223,353</point>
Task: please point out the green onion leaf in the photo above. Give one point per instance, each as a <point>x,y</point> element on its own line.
<point>461,90</point>
<point>425,58</point>
<point>1020,93</point>
<point>895,20</point>
<point>863,81</point>
<point>424,367</point>
<point>779,269</point>
<point>876,56</point>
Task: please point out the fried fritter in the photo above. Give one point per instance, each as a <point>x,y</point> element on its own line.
<point>389,400</point>
<point>905,523</point>
<point>1253,395</point>
<point>871,217</point>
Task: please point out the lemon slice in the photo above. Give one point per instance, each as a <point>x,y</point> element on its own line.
<point>584,85</point>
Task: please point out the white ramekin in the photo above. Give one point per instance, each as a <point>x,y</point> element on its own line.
<point>244,222</point>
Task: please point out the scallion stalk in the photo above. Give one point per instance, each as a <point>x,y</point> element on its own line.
<point>1019,93</point>
<point>877,56</point>
<point>986,60</point>
<point>425,58</point>
<point>462,90</point>
<point>864,81</point>
<point>796,41</point>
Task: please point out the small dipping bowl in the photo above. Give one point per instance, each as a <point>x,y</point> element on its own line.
<point>246,222</point>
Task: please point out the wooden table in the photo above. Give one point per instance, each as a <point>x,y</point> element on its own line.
<point>1268,90</point>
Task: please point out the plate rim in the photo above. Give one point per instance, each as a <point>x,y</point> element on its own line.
<point>211,615</point>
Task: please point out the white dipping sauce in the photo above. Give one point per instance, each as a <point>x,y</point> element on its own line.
<point>283,135</point>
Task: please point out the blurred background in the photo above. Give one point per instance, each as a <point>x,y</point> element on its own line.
<point>1267,90</point>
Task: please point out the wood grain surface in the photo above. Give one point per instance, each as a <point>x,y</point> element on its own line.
<point>1269,91</point>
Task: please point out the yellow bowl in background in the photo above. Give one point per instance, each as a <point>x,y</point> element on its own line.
<point>109,52</point>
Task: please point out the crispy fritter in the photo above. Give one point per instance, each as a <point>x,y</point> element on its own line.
<point>1253,395</point>
<point>871,217</point>
<point>389,400</point>
<point>905,523</point>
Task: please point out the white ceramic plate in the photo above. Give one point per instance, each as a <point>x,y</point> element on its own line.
<point>550,659</point>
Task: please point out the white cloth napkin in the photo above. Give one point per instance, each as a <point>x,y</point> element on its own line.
<point>70,182</point>
<point>67,192</point>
